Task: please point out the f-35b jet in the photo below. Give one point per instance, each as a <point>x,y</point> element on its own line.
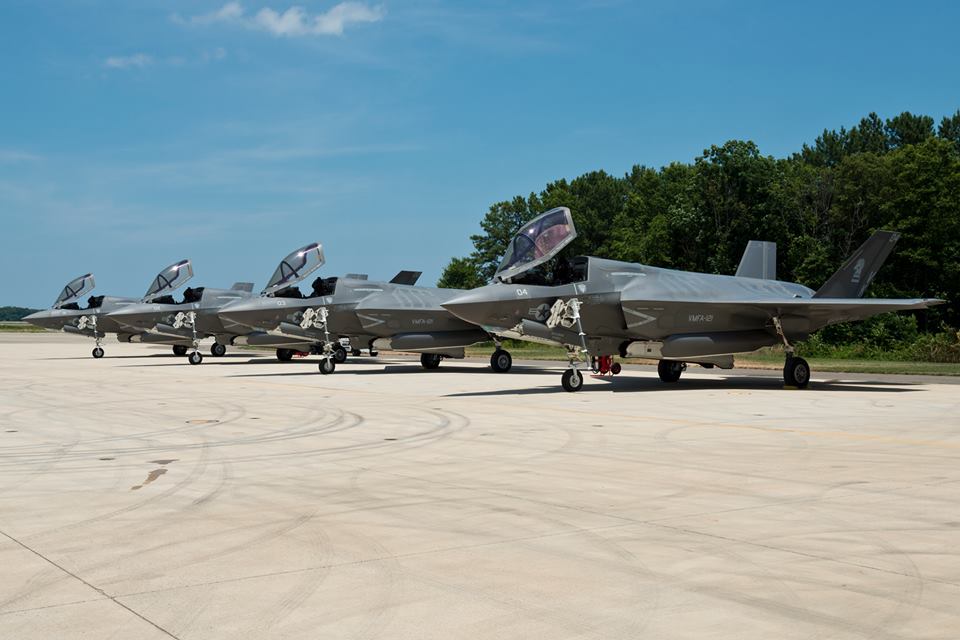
<point>197,316</point>
<point>94,320</point>
<point>596,307</point>
<point>389,315</point>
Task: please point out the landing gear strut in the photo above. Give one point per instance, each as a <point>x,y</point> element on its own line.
<point>317,319</point>
<point>796,371</point>
<point>189,319</point>
<point>91,321</point>
<point>567,315</point>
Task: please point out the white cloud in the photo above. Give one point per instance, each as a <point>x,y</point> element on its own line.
<point>294,21</point>
<point>137,60</point>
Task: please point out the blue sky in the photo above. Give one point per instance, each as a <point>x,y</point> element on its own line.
<point>136,134</point>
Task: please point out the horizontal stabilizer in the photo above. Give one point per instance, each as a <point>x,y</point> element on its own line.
<point>759,261</point>
<point>856,274</point>
<point>406,277</point>
<point>242,286</point>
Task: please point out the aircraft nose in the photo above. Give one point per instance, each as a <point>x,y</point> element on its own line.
<point>472,306</point>
<point>39,318</point>
<point>244,313</point>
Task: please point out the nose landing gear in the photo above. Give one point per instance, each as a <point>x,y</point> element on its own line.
<point>317,318</point>
<point>189,319</point>
<point>91,321</point>
<point>567,315</point>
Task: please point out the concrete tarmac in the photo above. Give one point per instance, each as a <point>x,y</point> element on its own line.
<point>141,497</point>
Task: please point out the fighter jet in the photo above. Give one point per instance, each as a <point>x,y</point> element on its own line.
<point>388,315</point>
<point>94,321</point>
<point>599,308</point>
<point>196,316</point>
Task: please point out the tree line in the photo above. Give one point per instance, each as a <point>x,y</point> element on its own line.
<point>818,205</point>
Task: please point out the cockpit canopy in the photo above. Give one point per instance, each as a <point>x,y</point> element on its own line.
<point>169,280</point>
<point>295,267</point>
<point>74,289</point>
<point>537,242</point>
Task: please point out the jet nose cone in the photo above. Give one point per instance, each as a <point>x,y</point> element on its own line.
<point>39,319</point>
<point>245,313</point>
<point>472,306</point>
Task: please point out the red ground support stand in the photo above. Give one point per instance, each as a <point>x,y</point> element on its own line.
<point>604,365</point>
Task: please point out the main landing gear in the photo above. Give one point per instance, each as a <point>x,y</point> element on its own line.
<point>796,371</point>
<point>500,359</point>
<point>430,360</point>
<point>670,370</point>
<point>180,350</point>
<point>218,350</point>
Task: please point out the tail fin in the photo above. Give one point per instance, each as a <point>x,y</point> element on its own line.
<point>242,286</point>
<point>856,274</point>
<point>406,277</point>
<point>759,261</point>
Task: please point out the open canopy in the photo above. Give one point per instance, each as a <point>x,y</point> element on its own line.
<point>169,280</point>
<point>537,242</point>
<point>295,267</point>
<point>74,289</point>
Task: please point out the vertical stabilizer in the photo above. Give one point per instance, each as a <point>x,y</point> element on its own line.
<point>856,274</point>
<point>759,261</point>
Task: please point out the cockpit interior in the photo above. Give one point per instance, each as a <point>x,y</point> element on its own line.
<point>320,287</point>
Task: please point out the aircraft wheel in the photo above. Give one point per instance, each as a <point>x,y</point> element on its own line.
<point>340,354</point>
<point>572,380</point>
<point>195,358</point>
<point>327,366</point>
<point>356,352</point>
<point>430,360</point>
<point>217,349</point>
<point>501,361</point>
<point>796,373</point>
<point>284,355</point>
<point>669,370</point>
<point>374,353</point>
<point>616,368</point>
<point>97,352</point>
<point>179,349</point>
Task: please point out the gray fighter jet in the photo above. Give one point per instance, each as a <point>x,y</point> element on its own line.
<point>197,316</point>
<point>94,320</point>
<point>387,315</point>
<point>599,308</point>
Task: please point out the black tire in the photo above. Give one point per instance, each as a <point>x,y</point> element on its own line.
<point>373,352</point>
<point>195,357</point>
<point>430,360</point>
<point>572,380</point>
<point>669,370</point>
<point>616,368</point>
<point>501,361</point>
<point>327,366</point>
<point>97,352</point>
<point>796,373</point>
<point>340,354</point>
<point>356,352</point>
<point>284,355</point>
<point>179,350</point>
<point>218,350</point>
